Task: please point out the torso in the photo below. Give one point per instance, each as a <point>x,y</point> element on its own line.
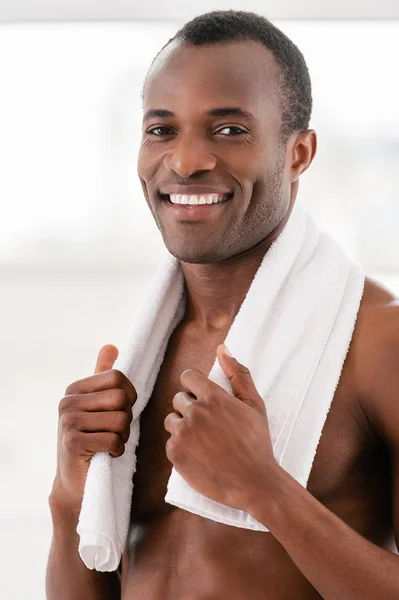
<point>172,554</point>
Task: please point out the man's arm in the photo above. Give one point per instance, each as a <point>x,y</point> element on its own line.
<point>94,416</point>
<point>335,559</point>
<point>67,577</point>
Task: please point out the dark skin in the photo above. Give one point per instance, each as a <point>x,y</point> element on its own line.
<point>325,541</point>
<point>172,553</point>
<point>174,550</point>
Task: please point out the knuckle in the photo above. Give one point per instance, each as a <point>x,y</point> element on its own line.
<point>115,444</point>
<point>119,380</point>
<point>206,398</point>
<point>64,405</point>
<point>191,411</point>
<point>118,399</point>
<point>196,414</point>
<point>126,420</point>
<point>174,449</point>
<point>68,420</point>
<point>170,448</point>
<point>73,440</point>
<point>128,401</point>
<point>73,388</point>
<point>128,415</point>
<point>122,421</point>
<point>116,378</point>
<point>122,449</point>
<point>180,431</point>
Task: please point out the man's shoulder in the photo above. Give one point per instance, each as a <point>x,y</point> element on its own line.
<point>376,352</point>
<point>379,311</point>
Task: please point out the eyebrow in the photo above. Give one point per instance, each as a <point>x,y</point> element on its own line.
<point>226,111</point>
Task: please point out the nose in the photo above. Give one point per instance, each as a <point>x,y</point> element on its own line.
<point>189,156</point>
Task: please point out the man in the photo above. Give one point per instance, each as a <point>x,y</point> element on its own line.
<point>227,104</point>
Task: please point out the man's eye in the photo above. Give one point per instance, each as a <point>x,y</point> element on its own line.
<point>235,130</point>
<point>164,130</point>
<point>160,127</point>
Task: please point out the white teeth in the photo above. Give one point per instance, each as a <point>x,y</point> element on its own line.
<point>196,199</point>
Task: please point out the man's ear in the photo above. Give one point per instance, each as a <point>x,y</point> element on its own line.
<point>303,150</point>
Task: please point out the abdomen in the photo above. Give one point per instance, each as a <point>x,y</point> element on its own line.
<point>181,556</point>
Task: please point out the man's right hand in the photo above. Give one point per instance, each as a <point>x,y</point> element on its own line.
<point>94,416</point>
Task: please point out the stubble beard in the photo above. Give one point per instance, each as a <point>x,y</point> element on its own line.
<point>255,226</point>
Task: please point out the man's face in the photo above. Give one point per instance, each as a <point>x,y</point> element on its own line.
<point>192,149</point>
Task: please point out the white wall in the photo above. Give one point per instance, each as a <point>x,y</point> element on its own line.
<point>183,10</point>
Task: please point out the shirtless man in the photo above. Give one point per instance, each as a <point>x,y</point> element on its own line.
<point>223,112</point>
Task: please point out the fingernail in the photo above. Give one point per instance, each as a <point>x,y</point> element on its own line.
<point>227,351</point>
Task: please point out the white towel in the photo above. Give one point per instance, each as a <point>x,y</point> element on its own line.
<point>292,331</point>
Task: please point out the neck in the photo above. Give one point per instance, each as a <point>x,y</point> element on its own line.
<point>215,291</point>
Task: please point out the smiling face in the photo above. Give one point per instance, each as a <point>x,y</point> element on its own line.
<point>212,125</point>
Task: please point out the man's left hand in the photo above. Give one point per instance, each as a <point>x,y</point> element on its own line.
<point>220,444</point>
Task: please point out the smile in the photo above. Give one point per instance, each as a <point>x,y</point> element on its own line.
<point>195,199</point>
<point>194,207</point>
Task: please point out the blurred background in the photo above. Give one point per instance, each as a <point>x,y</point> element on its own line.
<point>78,246</point>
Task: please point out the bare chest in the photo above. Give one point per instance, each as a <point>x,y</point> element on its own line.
<point>172,553</point>
<point>342,466</point>
<point>153,467</point>
<point>348,476</point>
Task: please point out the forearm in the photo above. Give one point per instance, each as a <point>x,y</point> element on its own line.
<point>334,558</point>
<point>67,577</point>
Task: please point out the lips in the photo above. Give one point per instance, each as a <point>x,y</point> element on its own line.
<point>189,190</point>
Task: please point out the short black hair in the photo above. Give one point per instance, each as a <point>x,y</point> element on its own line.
<point>294,86</point>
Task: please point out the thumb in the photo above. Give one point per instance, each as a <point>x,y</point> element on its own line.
<point>106,358</point>
<point>240,379</point>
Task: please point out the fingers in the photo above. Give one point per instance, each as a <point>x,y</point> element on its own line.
<point>115,422</point>
<point>181,401</point>
<point>200,386</point>
<point>106,358</point>
<point>110,400</point>
<point>107,380</point>
<point>239,375</point>
<point>172,422</point>
<point>242,384</point>
<point>79,443</point>
<point>94,416</point>
<point>195,382</point>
